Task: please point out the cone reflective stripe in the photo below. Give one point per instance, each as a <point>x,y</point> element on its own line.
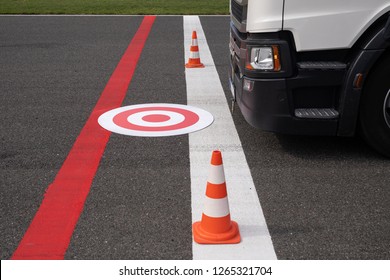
<point>194,38</point>
<point>216,226</point>
<point>194,58</point>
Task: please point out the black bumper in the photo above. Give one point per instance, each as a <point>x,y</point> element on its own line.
<point>268,106</point>
<point>272,99</point>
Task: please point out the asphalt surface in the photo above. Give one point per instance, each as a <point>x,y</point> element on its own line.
<point>322,197</point>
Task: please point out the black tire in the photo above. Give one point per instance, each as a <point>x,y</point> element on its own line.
<point>374,115</point>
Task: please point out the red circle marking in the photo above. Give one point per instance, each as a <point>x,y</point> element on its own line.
<point>190,118</point>
<point>156,118</point>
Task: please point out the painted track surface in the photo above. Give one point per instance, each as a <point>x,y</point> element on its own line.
<point>323,198</point>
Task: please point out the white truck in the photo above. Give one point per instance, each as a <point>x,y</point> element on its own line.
<point>313,67</point>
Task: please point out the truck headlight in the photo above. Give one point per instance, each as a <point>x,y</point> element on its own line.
<point>264,58</point>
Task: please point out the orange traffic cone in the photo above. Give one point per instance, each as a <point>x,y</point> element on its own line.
<point>216,226</point>
<point>194,60</point>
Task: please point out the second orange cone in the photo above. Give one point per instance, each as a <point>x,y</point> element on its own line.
<point>194,59</point>
<point>216,226</point>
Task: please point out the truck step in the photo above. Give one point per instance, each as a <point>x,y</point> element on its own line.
<point>321,65</point>
<point>317,113</point>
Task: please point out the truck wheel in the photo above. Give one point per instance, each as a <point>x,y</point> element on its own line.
<point>375,107</point>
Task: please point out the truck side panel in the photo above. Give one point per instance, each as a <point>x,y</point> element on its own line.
<point>312,21</point>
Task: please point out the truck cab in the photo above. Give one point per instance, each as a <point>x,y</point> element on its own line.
<point>313,67</point>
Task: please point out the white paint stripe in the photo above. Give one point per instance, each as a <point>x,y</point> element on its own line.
<point>205,91</point>
<point>216,174</point>
<point>216,208</point>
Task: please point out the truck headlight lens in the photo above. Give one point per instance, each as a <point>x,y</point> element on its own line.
<point>264,58</point>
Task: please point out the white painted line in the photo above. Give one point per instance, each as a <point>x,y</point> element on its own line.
<point>205,91</point>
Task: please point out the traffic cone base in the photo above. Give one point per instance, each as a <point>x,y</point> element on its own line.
<point>201,236</point>
<point>194,64</point>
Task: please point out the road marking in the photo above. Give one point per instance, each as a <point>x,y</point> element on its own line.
<point>164,119</point>
<point>49,233</point>
<point>204,90</point>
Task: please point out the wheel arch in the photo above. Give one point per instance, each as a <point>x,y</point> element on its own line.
<point>364,55</point>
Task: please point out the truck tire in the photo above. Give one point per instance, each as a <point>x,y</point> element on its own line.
<point>374,115</point>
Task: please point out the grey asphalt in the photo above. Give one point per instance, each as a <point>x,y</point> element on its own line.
<point>141,194</point>
<point>323,197</point>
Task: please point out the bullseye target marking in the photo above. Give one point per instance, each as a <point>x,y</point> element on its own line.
<point>154,120</point>
<point>158,118</point>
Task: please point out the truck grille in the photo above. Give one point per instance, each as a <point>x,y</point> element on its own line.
<point>237,11</point>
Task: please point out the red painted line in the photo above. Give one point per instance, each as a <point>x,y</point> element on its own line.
<point>50,231</point>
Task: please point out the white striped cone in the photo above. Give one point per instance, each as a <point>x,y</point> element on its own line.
<point>194,59</point>
<point>216,226</point>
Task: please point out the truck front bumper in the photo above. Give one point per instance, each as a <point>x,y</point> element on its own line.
<point>266,104</point>
<point>269,100</point>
